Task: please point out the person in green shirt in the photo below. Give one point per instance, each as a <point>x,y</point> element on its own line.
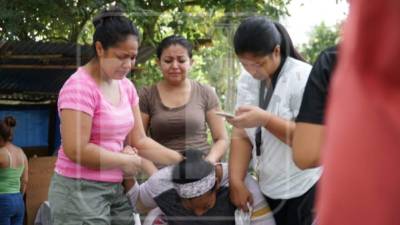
<point>13,176</point>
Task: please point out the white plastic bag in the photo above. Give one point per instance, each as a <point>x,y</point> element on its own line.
<point>242,217</point>
<point>136,217</point>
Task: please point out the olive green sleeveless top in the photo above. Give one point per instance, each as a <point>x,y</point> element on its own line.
<point>10,178</point>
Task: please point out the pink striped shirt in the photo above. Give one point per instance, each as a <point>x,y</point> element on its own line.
<point>110,123</point>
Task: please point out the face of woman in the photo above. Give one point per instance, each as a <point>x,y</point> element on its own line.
<point>175,63</point>
<point>261,67</point>
<point>117,61</point>
<point>201,204</point>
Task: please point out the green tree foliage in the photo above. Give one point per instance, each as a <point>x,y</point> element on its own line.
<point>65,20</point>
<point>321,37</point>
<point>46,20</point>
<point>209,24</point>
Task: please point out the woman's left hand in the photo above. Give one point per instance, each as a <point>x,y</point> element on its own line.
<point>249,116</point>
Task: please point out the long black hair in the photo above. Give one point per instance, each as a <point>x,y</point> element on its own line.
<point>112,27</point>
<point>193,168</point>
<point>259,36</point>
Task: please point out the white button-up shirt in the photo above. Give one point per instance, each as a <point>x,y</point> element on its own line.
<point>279,177</point>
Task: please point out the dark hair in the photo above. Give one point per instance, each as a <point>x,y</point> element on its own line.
<point>174,40</point>
<point>6,125</point>
<point>193,168</point>
<point>112,27</point>
<point>259,36</point>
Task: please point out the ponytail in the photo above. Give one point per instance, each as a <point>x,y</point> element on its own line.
<point>287,48</point>
<point>259,36</point>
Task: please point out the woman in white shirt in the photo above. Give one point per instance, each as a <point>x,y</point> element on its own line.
<point>263,131</point>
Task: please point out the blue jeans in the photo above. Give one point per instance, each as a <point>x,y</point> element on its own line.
<point>12,209</point>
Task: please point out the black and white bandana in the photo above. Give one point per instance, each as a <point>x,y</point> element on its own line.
<point>197,188</point>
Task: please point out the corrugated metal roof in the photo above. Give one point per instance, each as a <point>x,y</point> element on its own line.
<point>32,85</point>
<point>28,80</point>
<point>39,53</point>
<point>35,71</point>
<point>28,52</point>
<point>41,48</point>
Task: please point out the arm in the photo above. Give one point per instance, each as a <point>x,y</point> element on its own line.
<point>142,196</point>
<point>75,133</point>
<point>281,128</point>
<point>239,158</point>
<point>147,166</point>
<point>308,136</point>
<point>145,120</point>
<point>24,177</point>
<point>133,193</point>
<point>219,135</point>
<point>148,148</point>
<point>261,214</point>
<point>307,142</point>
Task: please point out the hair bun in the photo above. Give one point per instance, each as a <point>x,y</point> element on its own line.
<point>10,121</point>
<point>113,11</point>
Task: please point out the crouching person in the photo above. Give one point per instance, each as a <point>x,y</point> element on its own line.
<point>194,192</point>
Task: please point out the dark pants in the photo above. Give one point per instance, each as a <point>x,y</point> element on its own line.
<point>294,211</point>
<point>12,209</point>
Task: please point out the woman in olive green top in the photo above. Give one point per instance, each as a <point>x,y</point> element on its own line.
<point>177,111</point>
<point>13,176</point>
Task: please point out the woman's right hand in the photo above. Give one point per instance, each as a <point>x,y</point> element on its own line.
<point>240,195</point>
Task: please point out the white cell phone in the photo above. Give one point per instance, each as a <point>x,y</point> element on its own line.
<point>225,114</point>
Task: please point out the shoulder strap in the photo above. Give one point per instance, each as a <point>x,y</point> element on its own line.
<point>9,157</point>
<point>264,101</point>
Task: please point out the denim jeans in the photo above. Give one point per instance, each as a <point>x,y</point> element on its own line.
<point>12,209</point>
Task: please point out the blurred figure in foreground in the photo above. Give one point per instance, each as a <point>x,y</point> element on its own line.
<point>361,183</point>
<point>13,176</point>
<point>310,122</point>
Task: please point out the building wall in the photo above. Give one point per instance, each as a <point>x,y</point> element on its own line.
<point>34,127</point>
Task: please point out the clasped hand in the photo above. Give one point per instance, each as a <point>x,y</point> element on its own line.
<point>132,162</point>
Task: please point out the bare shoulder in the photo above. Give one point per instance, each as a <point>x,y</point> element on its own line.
<point>21,152</point>
<point>18,154</point>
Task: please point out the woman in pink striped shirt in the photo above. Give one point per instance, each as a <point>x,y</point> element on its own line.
<point>98,107</point>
